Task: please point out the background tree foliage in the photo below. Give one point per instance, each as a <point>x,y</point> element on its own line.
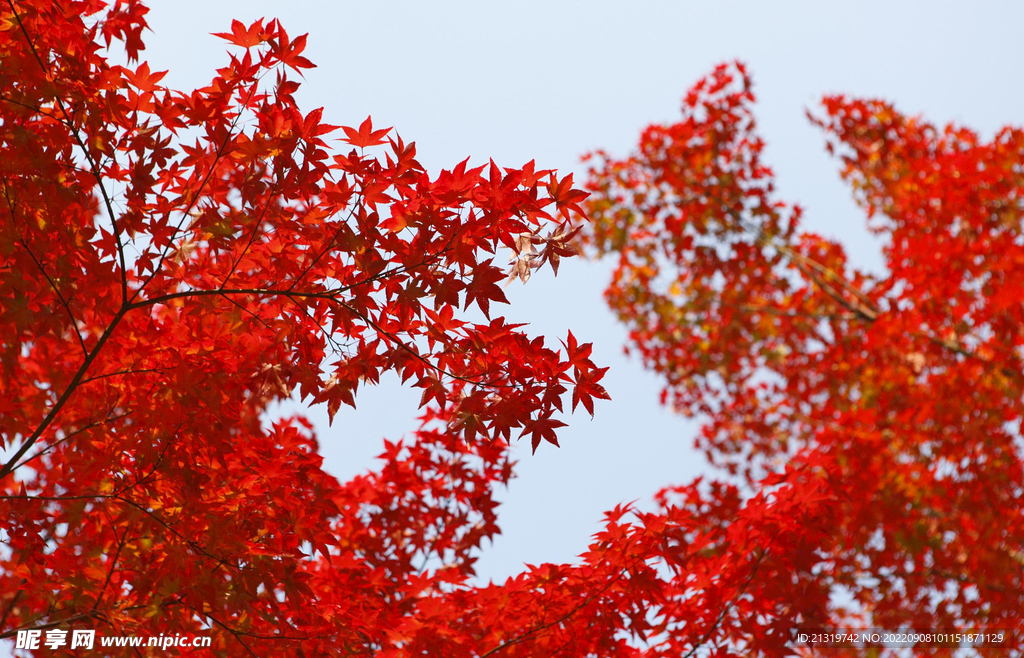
<point>899,395</point>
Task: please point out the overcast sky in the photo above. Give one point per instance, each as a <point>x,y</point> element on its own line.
<point>551,80</point>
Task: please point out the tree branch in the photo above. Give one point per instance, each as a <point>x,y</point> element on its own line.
<point>110,571</point>
<point>542,627</point>
<point>9,467</point>
<point>94,167</point>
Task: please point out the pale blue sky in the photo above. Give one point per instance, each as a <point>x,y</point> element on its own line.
<point>550,80</point>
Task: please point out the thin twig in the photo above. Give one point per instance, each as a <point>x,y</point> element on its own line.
<point>97,174</point>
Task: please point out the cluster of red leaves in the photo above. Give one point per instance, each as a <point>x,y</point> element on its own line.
<point>171,264</point>
<point>903,392</point>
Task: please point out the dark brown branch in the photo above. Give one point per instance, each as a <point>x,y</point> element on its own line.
<point>51,446</point>
<point>252,236</point>
<point>113,565</point>
<point>197,195</point>
<point>14,602</point>
<point>760,308</point>
<point>92,614</point>
<point>721,616</point>
<point>97,174</point>
<point>543,627</point>
<point>857,309</point>
<point>238,635</point>
<point>41,111</point>
<point>191,544</point>
<point>53,285</point>
<point>63,302</point>
<point>864,308</point>
<point>323,252</point>
<point>105,375</point>
<point>9,467</point>
<point>328,295</point>
<point>402,345</point>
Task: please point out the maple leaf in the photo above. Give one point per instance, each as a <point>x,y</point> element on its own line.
<point>243,36</point>
<point>287,51</point>
<point>143,79</point>
<point>566,197</point>
<point>587,388</point>
<point>523,260</point>
<point>542,429</point>
<point>365,136</point>
<point>558,246</point>
<point>482,287</point>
